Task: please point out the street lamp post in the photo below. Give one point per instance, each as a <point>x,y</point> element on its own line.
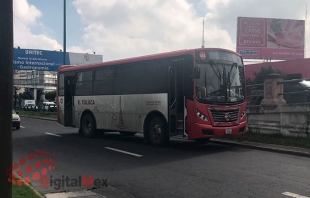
<point>64,51</point>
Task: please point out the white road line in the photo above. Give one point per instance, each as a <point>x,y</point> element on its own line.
<point>133,154</point>
<point>52,134</point>
<point>22,127</point>
<point>293,195</point>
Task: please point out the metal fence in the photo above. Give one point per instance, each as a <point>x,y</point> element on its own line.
<point>35,82</point>
<point>294,91</point>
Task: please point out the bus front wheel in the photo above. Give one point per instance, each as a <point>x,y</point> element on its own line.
<point>88,126</point>
<point>158,133</point>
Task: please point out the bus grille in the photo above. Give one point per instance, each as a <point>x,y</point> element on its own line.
<point>225,115</point>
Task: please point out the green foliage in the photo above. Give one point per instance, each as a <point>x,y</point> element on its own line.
<point>23,192</point>
<point>28,94</point>
<point>51,95</point>
<point>260,76</point>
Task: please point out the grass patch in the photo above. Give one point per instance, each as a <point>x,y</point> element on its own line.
<point>38,114</point>
<point>278,139</point>
<point>23,192</point>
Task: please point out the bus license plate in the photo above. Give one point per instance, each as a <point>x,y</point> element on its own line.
<point>228,131</point>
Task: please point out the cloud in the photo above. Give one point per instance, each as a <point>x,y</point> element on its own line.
<point>78,49</point>
<point>25,17</point>
<point>120,29</point>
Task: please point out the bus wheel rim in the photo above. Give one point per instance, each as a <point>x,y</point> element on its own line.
<point>87,126</point>
<point>156,133</point>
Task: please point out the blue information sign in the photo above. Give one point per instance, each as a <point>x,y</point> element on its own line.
<point>30,59</point>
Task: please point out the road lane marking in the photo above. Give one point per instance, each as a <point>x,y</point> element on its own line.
<point>117,150</point>
<point>52,134</point>
<point>293,195</point>
<point>22,127</point>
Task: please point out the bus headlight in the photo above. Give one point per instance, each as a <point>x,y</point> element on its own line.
<point>201,115</point>
<point>243,114</point>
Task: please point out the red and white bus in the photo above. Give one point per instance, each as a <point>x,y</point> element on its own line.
<point>196,94</point>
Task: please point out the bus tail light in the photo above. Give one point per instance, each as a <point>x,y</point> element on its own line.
<point>202,116</point>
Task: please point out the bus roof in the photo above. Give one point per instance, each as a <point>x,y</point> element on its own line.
<point>140,58</point>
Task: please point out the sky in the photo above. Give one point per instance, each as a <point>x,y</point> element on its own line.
<point>120,29</point>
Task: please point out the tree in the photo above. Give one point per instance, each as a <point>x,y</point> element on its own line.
<point>28,94</point>
<point>260,76</point>
<point>51,95</point>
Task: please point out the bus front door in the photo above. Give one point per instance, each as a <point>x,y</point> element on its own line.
<point>176,99</point>
<point>69,100</point>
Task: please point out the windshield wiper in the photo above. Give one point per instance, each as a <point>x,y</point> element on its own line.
<point>231,78</point>
<point>215,66</point>
<point>227,81</point>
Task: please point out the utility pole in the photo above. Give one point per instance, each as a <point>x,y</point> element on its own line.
<point>6,91</point>
<point>65,33</point>
<point>203,34</point>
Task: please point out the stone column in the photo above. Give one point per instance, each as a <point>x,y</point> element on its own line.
<point>35,94</point>
<point>272,90</point>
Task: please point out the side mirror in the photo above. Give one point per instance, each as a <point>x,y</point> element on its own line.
<point>196,72</point>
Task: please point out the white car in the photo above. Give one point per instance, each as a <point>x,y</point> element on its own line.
<point>30,107</point>
<point>49,106</point>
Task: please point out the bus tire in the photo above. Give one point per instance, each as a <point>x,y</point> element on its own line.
<point>126,133</point>
<point>88,126</point>
<point>158,132</point>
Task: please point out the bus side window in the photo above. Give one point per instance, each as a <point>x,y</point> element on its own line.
<point>84,83</point>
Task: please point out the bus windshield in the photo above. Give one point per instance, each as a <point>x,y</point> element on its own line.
<point>216,77</point>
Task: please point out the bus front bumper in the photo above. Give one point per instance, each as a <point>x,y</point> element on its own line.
<point>208,131</point>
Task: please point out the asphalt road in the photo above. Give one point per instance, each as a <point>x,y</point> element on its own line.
<point>131,168</point>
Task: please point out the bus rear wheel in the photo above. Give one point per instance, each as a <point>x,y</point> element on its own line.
<point>158,133</point>
<point>88,126</point>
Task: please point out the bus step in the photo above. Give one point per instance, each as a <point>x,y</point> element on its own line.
<point>180,124</point>
<point>179,137</point>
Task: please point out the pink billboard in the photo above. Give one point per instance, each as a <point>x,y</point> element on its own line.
<point>262,38</point>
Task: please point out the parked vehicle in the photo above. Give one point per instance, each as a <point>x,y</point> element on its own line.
<point>15,119</point>
<point>27,102</point>
<point>49,106</point>
<point>30,107</point>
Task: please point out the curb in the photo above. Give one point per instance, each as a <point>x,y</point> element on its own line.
<point>266,147</point>
<point>26,184</point>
